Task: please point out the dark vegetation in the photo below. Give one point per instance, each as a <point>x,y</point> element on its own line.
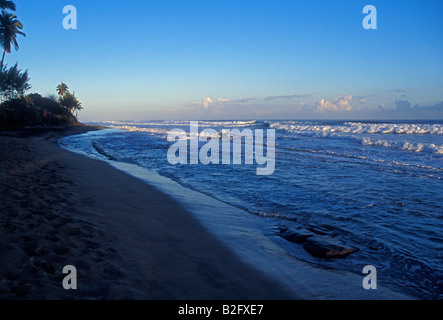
<point>17,109</point>
<point>34,110</point>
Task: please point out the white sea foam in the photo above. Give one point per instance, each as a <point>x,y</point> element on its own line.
<point>165,126</point>
<point>179,123</point>
<point>406,145</point>
<point>361,128</point>
<point>140,129</point>
<point>295,126</point>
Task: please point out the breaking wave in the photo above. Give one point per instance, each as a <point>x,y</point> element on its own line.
<point>360,128</point>
<point>409,146</point>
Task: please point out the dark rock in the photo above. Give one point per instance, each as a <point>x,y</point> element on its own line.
<point>317,230</point>
<point>297,236</point>
<point>324,247</point>
<point>281,229</point>
<point>377,247</point>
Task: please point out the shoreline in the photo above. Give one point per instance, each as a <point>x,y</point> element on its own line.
<point>127,240</point>
<point>249,237</point>
<point>165,247</point>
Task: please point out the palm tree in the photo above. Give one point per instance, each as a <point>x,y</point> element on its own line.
<point>10,27</point>
<point>7,5</point>
<point>62,89</point>
<point>70,102</point>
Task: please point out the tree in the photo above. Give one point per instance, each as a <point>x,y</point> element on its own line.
<point>62,89</point>
<point>68,99</point>
<point>14,82</point>
<point>10,27</point>
<point>7,5</point>
<point>70,102</point>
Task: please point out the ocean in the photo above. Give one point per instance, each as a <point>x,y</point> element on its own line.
<point>374,185</point>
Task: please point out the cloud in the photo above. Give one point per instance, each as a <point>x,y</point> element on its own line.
<point>222,100</point>
<point>406,106</point>
<point>292,106</point>
<point>402,105</point>
<point>206,102</point>
<point>243,100</point>
<point>381,107</point>
<point>288,97</point>
<point>340,103</point>
<point>435,108</point>
<point>398,90</point>
<point>404,109</point>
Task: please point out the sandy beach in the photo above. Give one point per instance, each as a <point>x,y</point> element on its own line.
<point>232,152</point>
<point>126,239</point>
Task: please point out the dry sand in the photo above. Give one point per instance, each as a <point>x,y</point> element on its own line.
<point>126,239</point>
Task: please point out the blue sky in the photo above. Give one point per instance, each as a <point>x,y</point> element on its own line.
<point>223,59</point>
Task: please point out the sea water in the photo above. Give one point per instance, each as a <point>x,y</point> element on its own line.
<point>375,185</point>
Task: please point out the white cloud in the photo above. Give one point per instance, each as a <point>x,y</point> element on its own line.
<point>222,100</point>
<point>340,103</point>
<point>206,102</point>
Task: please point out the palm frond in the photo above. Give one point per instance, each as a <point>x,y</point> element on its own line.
<point>10,28</point>
<point>8,5</point>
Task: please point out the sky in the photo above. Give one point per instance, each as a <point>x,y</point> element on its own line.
<point>242,59</point>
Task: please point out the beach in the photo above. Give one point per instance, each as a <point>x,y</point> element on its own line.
<point>209,158</point>
<point>336,182</point>
<point>126,239</point>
